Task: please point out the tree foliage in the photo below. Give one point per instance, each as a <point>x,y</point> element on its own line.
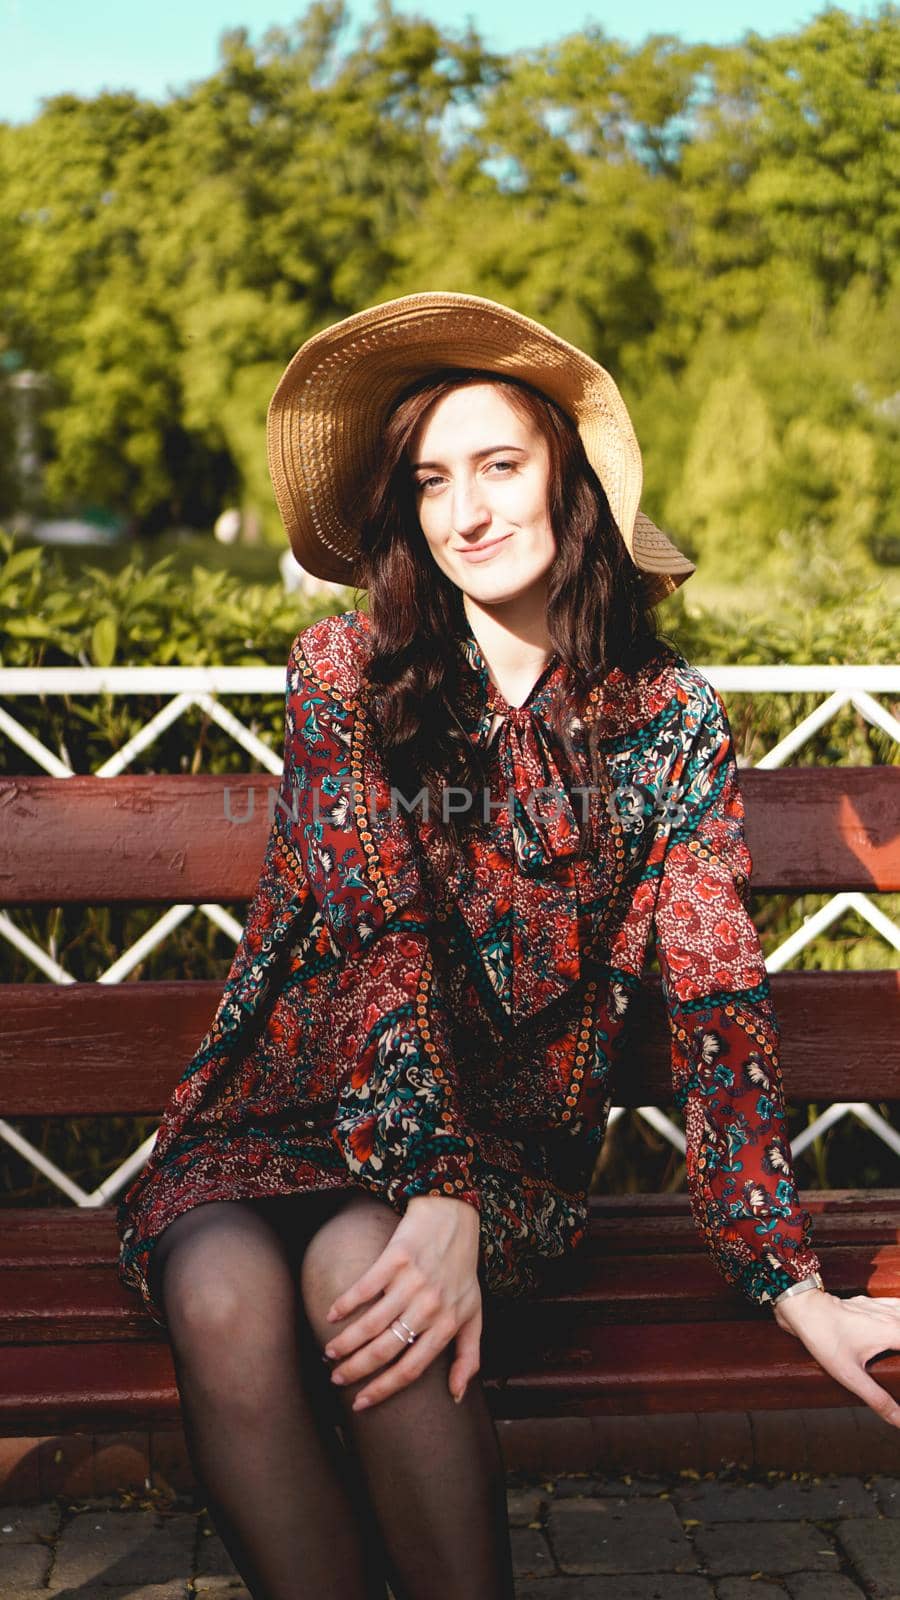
<point>718,225</point>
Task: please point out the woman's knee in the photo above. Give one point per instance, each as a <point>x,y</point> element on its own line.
<point>340,1251</point>
<point>221,1273</point>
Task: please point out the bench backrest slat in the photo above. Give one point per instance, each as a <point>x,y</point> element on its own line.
<point>168,839</point>
<point>93,1048</point>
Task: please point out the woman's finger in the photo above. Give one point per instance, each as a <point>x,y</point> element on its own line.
<point>419,1312</point>
<point>375,1278</point>
<point>405,1370</point>
<point>396,1296</point>
<point>846,1362</point>
<point>859,1382</point>
<point>385,1346</point>
<point>468,1356</point>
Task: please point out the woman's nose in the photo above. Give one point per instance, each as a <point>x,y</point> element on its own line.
<point>467,507</point>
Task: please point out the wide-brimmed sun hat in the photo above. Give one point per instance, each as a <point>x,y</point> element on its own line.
<point>326,417</point>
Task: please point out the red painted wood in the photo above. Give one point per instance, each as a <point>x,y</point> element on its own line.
<point>69,1303</point>
<point>95,1388</point>
<point>686,1287</point>
<point>628,1369</point>
<point>169,838</point>
<point>44,1304</point>
<point>625,1370</point>
<point>95,1048</point>
<point>79,1351</point>
<point>679,1236</point>
<point>620,1225</point>
<point>156,838</point>
<point>823,827</point>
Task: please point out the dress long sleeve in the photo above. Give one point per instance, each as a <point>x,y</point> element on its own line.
<point>398,1121</point>
<point>725,1032</point>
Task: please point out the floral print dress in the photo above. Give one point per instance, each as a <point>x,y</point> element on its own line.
<point>390,1024</point>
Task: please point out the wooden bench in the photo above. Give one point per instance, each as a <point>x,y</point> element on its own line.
<point>642,1322</point>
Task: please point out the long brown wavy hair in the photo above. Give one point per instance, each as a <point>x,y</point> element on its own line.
<point>597,614</point>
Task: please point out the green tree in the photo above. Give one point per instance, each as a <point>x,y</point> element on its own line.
<point>717,226</point>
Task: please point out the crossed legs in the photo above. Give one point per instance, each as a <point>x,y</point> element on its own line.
<point>311,1499</point>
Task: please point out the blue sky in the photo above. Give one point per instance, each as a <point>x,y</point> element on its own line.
<point>51,46</point>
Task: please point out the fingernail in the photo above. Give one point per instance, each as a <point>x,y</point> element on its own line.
<point>329,1352</point>
<point>360,1404</point>
<point>458,1397</point>
<point>336,1377</point>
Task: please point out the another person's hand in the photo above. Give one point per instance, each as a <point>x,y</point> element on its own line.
<point>428,1275</point>
<point>843,1335</point>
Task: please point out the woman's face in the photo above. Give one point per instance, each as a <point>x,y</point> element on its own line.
<point>481,474</point>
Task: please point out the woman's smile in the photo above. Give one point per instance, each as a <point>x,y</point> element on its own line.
<point>484,551</point>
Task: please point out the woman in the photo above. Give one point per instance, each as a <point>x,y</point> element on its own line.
<point>497,785</point>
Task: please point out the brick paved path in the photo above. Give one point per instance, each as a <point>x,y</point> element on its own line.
<point>726,1536</point>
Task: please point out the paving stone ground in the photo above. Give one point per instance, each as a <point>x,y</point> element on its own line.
<point>720,1536</point>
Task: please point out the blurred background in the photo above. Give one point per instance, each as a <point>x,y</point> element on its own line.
<point>716,219</point>
<point>705,198</point>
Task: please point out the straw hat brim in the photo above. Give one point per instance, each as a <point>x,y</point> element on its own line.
<point>326,416</point>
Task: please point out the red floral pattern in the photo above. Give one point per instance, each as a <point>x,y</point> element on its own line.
<point>388,1024</point>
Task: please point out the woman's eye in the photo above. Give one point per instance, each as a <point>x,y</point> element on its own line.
<point>426,483</point>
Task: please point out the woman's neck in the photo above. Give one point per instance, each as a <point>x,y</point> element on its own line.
<point>515,643</point>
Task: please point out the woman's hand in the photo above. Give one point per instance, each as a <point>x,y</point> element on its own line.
<point>428,1275</point>
<point>843,1335</point>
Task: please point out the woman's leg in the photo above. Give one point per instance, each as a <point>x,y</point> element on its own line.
<point>434,1468</point>
<point>271,1473</point>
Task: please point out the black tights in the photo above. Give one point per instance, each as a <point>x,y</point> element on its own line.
<point>310,1498</point>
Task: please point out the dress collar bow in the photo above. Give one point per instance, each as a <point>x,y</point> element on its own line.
<point>534,802</point>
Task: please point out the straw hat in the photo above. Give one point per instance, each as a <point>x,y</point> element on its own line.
<point>326,416</point>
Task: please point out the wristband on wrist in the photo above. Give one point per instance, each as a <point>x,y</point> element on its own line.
<point>814,1281</point>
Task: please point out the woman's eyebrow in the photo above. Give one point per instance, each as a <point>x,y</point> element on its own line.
<point>477,455</point>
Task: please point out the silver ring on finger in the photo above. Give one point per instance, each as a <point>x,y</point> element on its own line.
<point>408,1337</point>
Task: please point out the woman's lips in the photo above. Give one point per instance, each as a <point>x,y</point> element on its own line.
<point>482,552</point>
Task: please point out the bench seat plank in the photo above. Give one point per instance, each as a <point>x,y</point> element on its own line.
<point>628,1370</point>
<point>611,1370</point>
<point>47,1305</point>
<point>93,1388</point>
